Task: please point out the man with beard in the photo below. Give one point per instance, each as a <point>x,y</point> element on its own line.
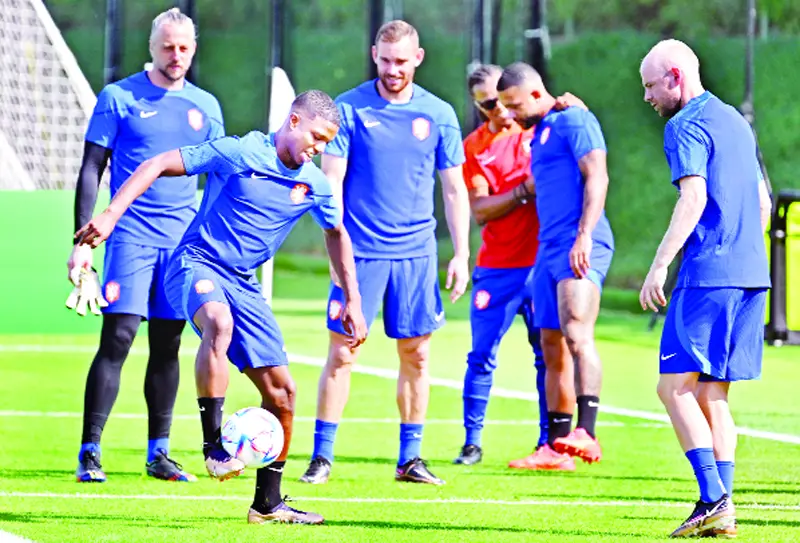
<point>394,137</point>
<point>497,174</point>
<point>714,330</point>
<point>568,163</point>
<point>134,120</point>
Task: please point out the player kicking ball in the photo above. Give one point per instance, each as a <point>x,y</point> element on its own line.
<point>714,330</point>
<point>568,163</point>
<point>262,185</point>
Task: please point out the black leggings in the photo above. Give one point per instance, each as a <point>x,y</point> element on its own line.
<point>161,379</point>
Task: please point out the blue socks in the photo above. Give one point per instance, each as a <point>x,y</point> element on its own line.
<point>544,421</point>
<point>705,470</point>
<point>477,386</point>
<point>725,469</point>
<point>94,447</point>
<point>410,442</point>
<point>324,436</point>
<point>153,445</point>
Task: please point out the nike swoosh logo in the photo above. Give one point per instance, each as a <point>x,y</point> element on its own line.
<point>593,404</point>
<point>439,317</point>
<point>147,114</point>
<point>371,124</point>
<point>559,421</point>
<point>488,160</point>
<point>202,409</point>
<point>417,436</point>
<point>276,470</point>
<point>254,176</point>
<point>667,357</point>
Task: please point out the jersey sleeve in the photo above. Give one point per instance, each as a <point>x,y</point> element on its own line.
<point>103,124</point>
<point>217,122</point>
<point>223,156</point>
<point>582,132</point>
<point>687,148</point>
<point>450,150</point>
<point>340,146</point>
<point>471,167</point>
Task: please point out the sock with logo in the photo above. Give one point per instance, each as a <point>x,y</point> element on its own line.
<point>154,446</point>
<point>268,487</point>
<point>587,413</point>
<point>559,426</point>
<point>705,470</point>
<point>211,420</point>
<point>410,442</point>
<point>725,469</point>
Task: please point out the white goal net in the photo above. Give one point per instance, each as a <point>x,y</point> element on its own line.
<point>45,101</point>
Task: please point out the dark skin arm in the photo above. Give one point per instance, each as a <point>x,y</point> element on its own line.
<point>98,229</point>
<point>340,252</point>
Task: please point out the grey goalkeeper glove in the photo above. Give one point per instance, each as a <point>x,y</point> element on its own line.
<point>87,292</point>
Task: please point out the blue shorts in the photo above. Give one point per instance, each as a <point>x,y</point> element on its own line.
<point>717,332</point>
<point>552,266</point>
<point>498,295</point>
<point>133,281</point>
<point>257,341</point>
<point>406,290</point>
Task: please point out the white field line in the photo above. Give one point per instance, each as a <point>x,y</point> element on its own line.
<point>8,537</point>
<point>447,383</point>
<point>408,501</point>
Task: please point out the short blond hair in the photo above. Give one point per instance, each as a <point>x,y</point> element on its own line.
<point>171,16</point>
<point>394,31</point>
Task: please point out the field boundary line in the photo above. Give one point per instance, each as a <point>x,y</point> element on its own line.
<point>408,501</point>
<point>437,381</point>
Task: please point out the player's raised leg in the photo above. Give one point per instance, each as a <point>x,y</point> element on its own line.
<point>278,394</point>
<point>579,304</point>
<point>214,321</point>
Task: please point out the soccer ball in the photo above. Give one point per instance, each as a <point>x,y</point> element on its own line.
<point>254,436</point>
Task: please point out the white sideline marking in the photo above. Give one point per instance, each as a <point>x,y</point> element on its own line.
<point>447,383</point>
<point>454,422</point>
<point>441,501</point>
<point>8,537</point>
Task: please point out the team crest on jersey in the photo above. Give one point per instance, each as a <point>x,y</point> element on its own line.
<point>298,193</point>
<point>204,286</point>
<point>335,310</point>
<point>482,298</point>
<point>112,292</point>
<point>195,118</point>
<point>545,135</point>
<point>421,128</point>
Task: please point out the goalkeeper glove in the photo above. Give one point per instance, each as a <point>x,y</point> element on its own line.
<point>87,292</point>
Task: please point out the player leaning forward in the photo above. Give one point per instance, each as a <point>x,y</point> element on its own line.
<point>262,185</point>
<point>714,330</point>
<point>135,119</point>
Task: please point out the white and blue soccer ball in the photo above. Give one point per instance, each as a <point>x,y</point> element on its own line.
<point>254,436</point>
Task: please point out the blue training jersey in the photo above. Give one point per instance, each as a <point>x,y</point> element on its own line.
<point>710,139</point>
<point>138,120</point>
<point>252,203</point>
<point>561,139</point>
<point>393,152</point>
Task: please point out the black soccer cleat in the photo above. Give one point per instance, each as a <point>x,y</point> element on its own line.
<point>716,519</point>
<point>318,472</point>
<point>470,454</point>
<point>89,468</point>
<point>416,471</point>
<point>167,469</point>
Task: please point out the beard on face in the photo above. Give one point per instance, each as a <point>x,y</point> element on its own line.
<point>394,84</point>
<point>174,76</point>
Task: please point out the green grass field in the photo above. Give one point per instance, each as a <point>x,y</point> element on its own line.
<point>640,491</point>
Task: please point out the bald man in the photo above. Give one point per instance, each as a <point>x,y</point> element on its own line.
<point>714,330</point>
<point>568,163</point>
